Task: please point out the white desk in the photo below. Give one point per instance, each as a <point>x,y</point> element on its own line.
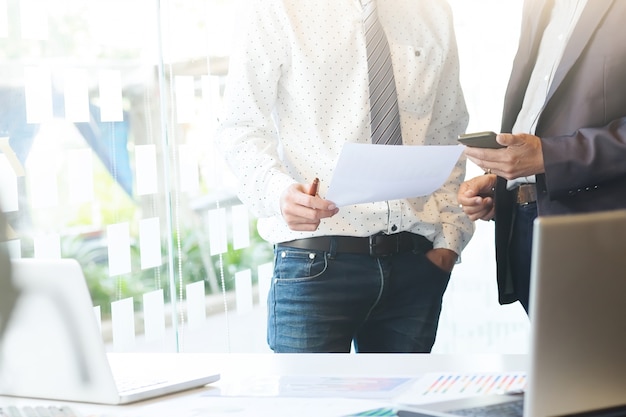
<point>237,393</point>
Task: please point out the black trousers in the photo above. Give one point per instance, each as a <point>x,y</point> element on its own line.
<point>520,251</point>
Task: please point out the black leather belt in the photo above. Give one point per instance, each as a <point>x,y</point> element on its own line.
<point>526,194</point>
<point>375,245</point>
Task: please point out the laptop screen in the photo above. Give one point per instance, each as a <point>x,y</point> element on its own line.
<point>52,347</point>
<point>578,313</point>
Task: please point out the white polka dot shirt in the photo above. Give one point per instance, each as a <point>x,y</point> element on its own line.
<point>298,90</point>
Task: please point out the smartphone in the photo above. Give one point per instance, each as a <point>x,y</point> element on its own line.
<point>480,140</point>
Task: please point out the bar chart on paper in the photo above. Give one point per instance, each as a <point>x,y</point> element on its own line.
<point>445,386</point>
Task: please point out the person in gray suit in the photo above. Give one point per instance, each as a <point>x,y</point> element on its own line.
<point>565,122</point>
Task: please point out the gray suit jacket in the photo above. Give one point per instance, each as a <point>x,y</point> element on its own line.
<point>583,123</point>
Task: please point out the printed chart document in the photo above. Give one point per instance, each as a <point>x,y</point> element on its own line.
<point>366,173</point>
<point>433,387</point>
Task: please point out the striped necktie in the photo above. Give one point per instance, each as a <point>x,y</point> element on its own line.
<point>384,101</point>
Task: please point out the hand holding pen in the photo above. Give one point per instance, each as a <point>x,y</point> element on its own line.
<point>314,186</point>
<point>302,208</point>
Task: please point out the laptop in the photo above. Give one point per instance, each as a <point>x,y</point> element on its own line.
<point>578,324</point>
<point>52,347</point>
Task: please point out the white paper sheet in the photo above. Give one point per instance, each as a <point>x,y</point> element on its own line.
<point>329,386</point>
<point>368,173</point>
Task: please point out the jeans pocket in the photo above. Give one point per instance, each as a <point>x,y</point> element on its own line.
<point>435,272</point>
<point>298,264</point>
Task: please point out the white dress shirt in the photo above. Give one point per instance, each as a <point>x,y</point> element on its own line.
<point>563,19</point>
<point>298,90</point>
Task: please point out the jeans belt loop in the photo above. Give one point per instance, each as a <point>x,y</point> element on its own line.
<point>373,242</point>
<point>332,251</point>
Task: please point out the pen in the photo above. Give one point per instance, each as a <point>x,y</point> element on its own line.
<point>314,185</point>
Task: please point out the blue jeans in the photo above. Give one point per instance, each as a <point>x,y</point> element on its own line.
<point>322,302</point>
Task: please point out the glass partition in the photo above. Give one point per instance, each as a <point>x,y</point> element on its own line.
<point>108,110</point>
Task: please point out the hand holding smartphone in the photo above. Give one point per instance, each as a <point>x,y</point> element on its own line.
<point>485,139</point>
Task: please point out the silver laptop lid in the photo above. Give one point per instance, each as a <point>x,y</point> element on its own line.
<point>53,347</point>
<point>578,314</point>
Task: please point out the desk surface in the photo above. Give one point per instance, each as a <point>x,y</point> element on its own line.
<point>238,392</point>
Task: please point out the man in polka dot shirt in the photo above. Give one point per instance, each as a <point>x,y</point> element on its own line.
<point>370,276</point>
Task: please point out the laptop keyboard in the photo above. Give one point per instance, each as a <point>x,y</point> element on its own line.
<point>512,409</point>
<point>12,411</point>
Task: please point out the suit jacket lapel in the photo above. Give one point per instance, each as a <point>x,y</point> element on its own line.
<point>586,26</point>
<point>535,19</point>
